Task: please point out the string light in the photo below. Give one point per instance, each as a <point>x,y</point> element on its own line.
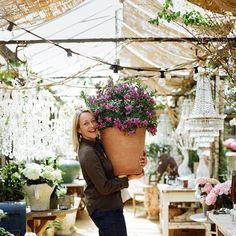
<point>10,26</point>
<point>113,66</point>
<point>162,81</point>
<point>69,52</point>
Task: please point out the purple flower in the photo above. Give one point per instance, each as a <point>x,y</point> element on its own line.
<point>127,106</point>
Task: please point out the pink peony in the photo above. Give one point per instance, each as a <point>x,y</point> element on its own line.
<point>211,198</point>
<point>201,181</point>
<point>207,188</point>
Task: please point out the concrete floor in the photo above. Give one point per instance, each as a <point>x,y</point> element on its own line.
<point>136,225</point>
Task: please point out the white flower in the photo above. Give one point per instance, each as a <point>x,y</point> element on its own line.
<point>48,173</point>
<point>32,171</point>
<point>58,175</point>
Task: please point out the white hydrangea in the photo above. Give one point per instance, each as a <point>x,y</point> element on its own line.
<point>32,171</point>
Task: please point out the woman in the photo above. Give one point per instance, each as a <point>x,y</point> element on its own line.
<point>102,191</point>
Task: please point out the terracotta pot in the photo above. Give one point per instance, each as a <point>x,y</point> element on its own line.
<point>124,150</point>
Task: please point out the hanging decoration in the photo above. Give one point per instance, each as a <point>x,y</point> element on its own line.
<point>204,123</point>
<point>31,126</point>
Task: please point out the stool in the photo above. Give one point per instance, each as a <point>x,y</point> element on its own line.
<point>137,197</point>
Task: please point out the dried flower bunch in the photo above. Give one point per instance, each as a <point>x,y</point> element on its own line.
<point>126,105</point>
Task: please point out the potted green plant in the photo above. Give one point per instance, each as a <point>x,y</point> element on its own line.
<point>124,111</point>
<point>12,199</point>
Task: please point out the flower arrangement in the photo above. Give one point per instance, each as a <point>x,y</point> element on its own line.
<point>41,172</point>
<point>219,196</point>
<point>125,105</point>
<point>204,186</point>
<point>213,193</point>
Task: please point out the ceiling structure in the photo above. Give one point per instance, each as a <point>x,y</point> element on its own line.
<point>219,6</point>
<point>87,19</point>
<point>31,12</point>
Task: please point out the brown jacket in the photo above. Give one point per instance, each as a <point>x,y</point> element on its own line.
<point>102,189</point>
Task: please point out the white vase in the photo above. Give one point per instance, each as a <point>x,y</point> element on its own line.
<point>183,168</point>
<point>39,196</point>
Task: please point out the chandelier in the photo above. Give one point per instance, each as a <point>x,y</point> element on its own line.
<point>31,126</point>
<point>204,122</point>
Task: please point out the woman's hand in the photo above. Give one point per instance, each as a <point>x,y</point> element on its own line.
<point>143,160</point>
<point>130,177</point>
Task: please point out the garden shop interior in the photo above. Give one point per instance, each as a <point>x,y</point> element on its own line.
<point>160,73</point>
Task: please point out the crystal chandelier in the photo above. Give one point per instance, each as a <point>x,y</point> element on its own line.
<point>31,126</point>
<point>204,123</point>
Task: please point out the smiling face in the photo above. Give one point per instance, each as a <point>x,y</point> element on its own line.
<point>87,126</point>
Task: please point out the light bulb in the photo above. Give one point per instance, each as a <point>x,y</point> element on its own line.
<point>162,82</point>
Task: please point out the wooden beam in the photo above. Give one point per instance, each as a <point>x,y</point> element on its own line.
<point>201,40</point>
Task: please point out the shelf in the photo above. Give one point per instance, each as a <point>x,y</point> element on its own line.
<point>186,225</point>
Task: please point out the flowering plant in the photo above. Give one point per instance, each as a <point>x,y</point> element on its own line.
<point>213,193</point>
<point>125,105</point>
<point>204,186</point>
<point>219,196</point>
<point>42,172</point>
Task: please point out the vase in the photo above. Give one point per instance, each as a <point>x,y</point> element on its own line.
<point>183,168</point>
<point>124,150</point>
<point>70,169</point>
<point>39,196</point>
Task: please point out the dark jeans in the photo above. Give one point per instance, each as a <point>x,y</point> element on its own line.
<point>110,223</point>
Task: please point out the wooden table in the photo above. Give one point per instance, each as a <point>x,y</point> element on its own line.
<point>224,223</point>
<point>170,194</point>
<point>37,221</point>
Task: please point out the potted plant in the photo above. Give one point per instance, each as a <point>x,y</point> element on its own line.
<point>39,180</point>
<point>11,199</point>
<point>124,111</point>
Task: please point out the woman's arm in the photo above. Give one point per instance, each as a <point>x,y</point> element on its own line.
<point>95,171</point>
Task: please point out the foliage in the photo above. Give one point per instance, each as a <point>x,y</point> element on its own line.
<point>125,105</point>
<point>61,191</point>
<point>154,149</point>
<point>223,165</point>
<point>3,232</point>
<point>193,18</point>
<point>193,157</point>
<point>55,224</point>
<point>11,186</point>
<point>219,54</point>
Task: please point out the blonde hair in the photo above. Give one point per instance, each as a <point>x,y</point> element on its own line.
<point>75,125</point>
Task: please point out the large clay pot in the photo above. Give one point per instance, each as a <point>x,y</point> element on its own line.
<point>39,196</point>
<point>124,150</point>
<point>70,169</point>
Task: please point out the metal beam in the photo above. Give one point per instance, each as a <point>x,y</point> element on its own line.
<point>201,40</point>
